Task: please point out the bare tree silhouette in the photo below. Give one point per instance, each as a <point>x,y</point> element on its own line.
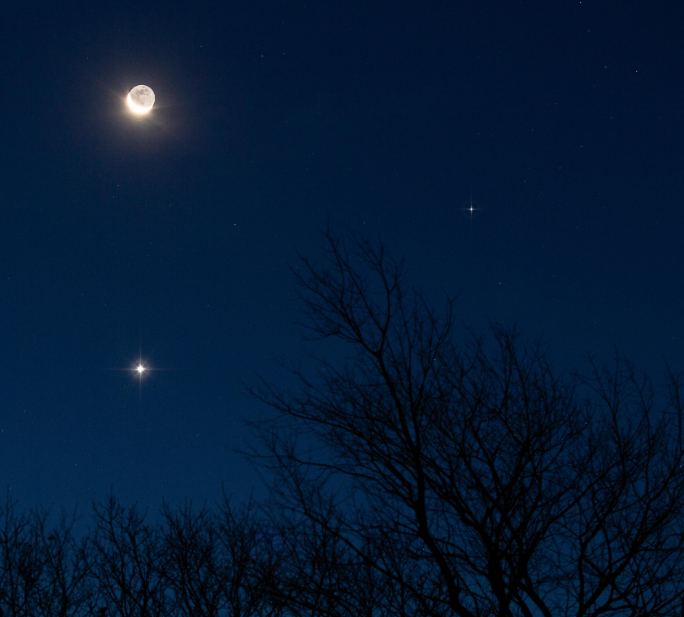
<point>472,480</point>
<point>126,562</point>
<point>215,562</point>
<point>218,563</point>
<point>42,570</point>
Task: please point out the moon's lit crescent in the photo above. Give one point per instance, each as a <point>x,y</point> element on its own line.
<point>140,99</point>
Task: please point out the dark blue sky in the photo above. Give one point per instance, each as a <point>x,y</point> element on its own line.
<point>175,231</point>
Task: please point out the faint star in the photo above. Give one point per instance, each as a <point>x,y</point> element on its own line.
<point>471,209</point>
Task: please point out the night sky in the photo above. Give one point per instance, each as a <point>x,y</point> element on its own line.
<point>170,236</point>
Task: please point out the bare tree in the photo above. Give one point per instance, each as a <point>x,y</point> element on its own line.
<point>193,563</point>
<point>321,575</point>
<point>42,568</point>
<point>218,563</point>
<point>473,480</point>
<point>126,564</point>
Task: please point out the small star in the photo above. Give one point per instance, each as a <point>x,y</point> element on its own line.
<point>140,368</point>
<point>471,209</point>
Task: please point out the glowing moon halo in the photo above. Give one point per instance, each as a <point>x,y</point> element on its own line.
<point>140,99</point>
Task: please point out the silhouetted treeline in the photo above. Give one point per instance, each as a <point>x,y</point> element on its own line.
<point>417,478</point>
<point>188,562</point>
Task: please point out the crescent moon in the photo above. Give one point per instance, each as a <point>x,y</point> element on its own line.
<point>140,99</point>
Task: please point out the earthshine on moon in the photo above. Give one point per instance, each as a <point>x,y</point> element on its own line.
<point>140,99</point>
